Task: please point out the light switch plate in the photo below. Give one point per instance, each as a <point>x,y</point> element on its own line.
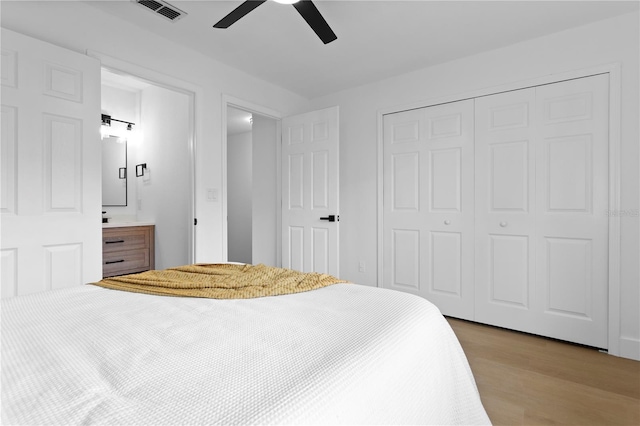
<point>212,194</point>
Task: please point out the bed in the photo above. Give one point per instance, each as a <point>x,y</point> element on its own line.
<point>341,354</point>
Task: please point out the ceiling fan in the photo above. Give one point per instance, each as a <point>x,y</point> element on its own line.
<point>306,8</point>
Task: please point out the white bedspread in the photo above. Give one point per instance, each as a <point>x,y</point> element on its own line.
<point>345,354</point>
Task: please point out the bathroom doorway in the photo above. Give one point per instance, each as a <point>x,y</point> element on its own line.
<point>159,169</point>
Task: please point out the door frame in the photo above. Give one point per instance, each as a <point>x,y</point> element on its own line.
<point>232,101</point>
<point>615,340</point>
<point>196,97</point>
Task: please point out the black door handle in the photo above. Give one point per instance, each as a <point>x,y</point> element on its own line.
<point>331,218</point>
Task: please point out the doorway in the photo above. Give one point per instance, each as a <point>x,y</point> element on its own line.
<point>252,176</point>
<point>161,140</point>
<point>239,185</point>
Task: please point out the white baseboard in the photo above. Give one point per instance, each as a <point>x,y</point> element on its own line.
<point>630,348</point>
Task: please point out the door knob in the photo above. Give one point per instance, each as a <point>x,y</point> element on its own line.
<point>447,222</point>
<point>331,218</point>
<point>503,224</point>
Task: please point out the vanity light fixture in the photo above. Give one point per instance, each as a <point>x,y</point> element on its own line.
<point>107,119</point>
<point>106,130</point>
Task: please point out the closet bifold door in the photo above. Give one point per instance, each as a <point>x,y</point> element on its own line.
<point>428,205</point>
<point>541,200</point>
<point>572,181</point>
<point>505,209</point>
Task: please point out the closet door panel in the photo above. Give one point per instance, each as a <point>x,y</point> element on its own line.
<point>405,259</point>
<point>572,198</point>
<point>504,219</point>
<point>403,200</point>
<point>448,221</point>
<point>508,176</point>
<point>428,205</point>
<point>509,270</point>
<point>445,178</point>
<point>445,252</point>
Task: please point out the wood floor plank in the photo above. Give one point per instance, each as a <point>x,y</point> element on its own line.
<point>531,380</point>
<point>565,402</point>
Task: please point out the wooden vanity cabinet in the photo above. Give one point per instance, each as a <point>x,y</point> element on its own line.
<point>127,250</point>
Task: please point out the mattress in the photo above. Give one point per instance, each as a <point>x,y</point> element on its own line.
<point>343,354</point>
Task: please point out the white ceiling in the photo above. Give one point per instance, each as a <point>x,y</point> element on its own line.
<point>376,39</point>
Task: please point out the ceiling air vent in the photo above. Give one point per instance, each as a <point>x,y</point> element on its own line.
<point>162,8</point>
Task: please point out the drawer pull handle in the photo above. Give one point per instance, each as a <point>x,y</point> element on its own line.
<point>109,262</point>
<point>114,242</point>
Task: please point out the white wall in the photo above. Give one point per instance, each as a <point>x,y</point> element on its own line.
<point>123,105</point>
<point>81,27</point>
<point>608,41</point>
<point>163,193</point>
<point>239,194</point>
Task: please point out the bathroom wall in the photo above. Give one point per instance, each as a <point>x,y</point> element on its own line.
<point>163,193</point>
<point>124,105</point>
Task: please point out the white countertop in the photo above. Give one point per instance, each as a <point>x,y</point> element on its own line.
<point>125,224</point>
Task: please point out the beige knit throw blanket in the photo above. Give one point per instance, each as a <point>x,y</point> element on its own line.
<point>220,281</point>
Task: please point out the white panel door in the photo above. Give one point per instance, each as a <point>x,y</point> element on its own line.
<point>310,197</point>
<point>541,198</point>
<point>572,181</point>
<point>428,205</point>
<point>505,209</point>
<point>51,191</point>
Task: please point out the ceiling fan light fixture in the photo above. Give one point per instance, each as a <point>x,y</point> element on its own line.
<point>305,8</point>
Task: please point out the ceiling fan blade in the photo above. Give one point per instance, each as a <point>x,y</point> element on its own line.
<point>312,15</point>
<point>238,13</point>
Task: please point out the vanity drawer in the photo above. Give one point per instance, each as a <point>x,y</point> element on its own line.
<point>127,250</point>
<point>125,262</point>
<point>129,238</point>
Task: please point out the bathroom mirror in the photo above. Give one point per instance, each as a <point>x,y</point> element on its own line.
<point>114,171</point>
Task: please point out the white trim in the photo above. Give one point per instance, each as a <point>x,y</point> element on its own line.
<point>629,348</point>
<point>279,192</point>
<point>380,198</point>
<point>615,344</point>
<point>196,98</point>
<point>614,338</point>
<point>231,101</point>
<point>539,81</point>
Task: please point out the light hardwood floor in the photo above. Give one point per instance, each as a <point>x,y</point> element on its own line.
<point>530,380</point>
